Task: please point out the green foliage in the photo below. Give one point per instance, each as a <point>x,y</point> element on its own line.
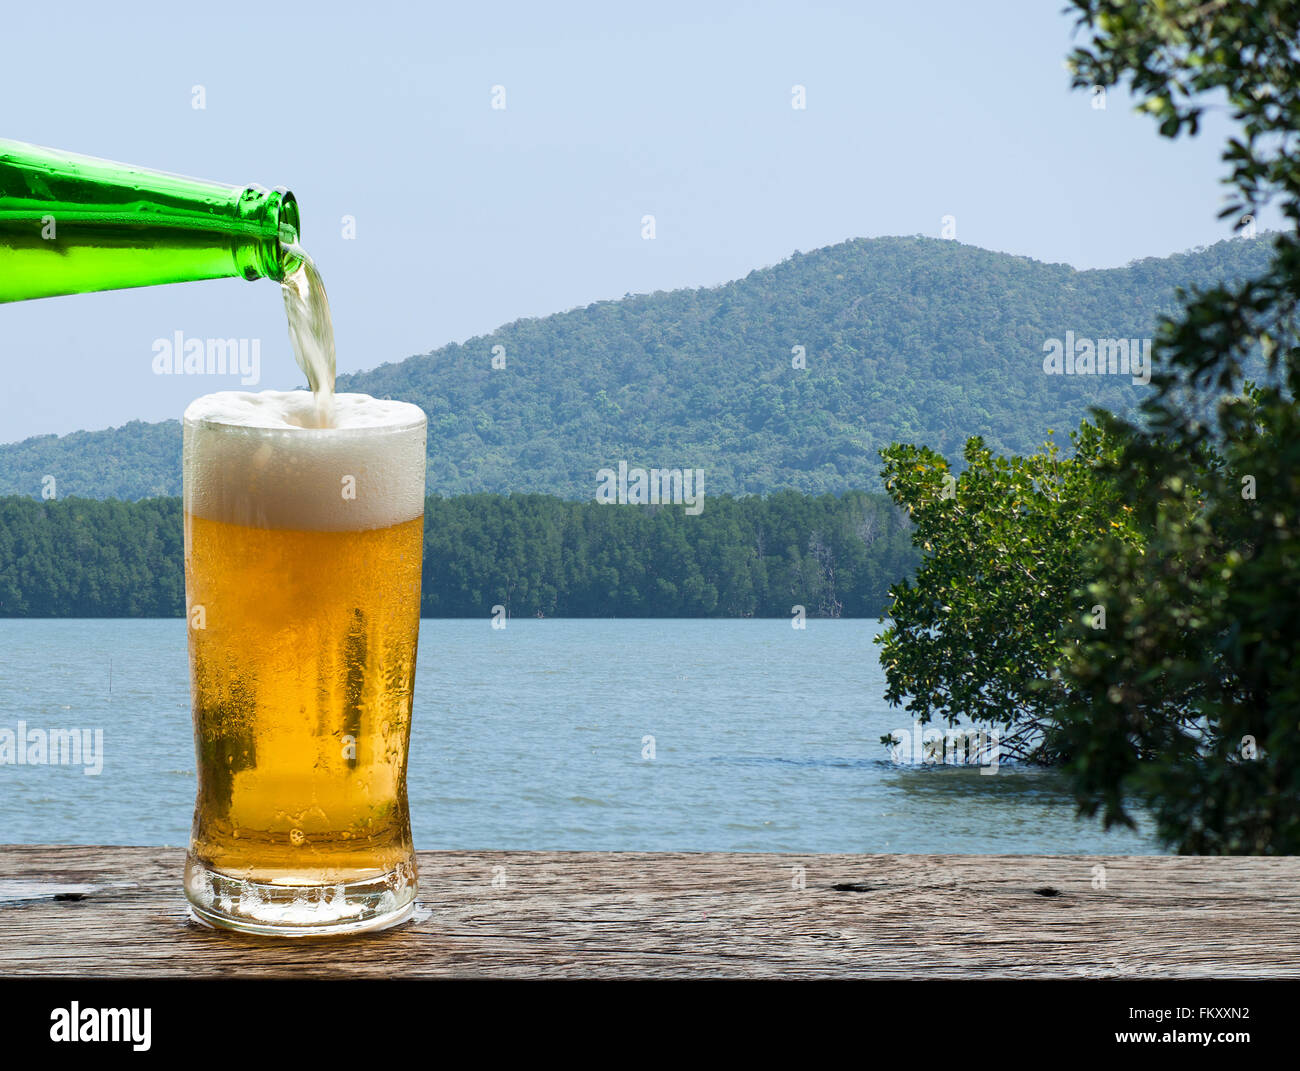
<point>533,554</point>
<point>977,636</point>
<point>82,558</point>
<point>1190,700</point>
<point>137,460</point>
<point>907,339</point>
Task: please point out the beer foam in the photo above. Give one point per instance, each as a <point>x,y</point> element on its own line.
<point>258,459</point>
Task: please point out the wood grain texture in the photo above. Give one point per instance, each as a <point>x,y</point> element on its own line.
<point>104,912</point>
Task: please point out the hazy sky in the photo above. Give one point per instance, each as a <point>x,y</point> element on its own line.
<point>468,217</point>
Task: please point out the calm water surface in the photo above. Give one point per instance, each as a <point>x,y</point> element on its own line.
<point>765,739</point>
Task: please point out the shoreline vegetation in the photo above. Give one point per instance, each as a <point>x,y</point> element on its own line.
<point>1128,612</point>
<point>534,555</point>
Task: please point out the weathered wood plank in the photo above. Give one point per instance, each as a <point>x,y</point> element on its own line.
<point>104,912</point>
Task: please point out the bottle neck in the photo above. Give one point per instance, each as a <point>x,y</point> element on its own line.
<point>71,224</point>
<point>272,217</point>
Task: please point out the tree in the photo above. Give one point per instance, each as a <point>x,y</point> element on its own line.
<point>1189,700</point>
<point>978,635</point>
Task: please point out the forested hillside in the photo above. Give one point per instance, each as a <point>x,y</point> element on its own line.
<point>904,339</point>
<point>531,554</point>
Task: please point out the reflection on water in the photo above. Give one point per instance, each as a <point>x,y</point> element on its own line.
<point>761,738</point>
<point>769,760</point>
<point>942,781</point>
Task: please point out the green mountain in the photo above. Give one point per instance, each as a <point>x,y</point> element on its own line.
<point>911,339</point>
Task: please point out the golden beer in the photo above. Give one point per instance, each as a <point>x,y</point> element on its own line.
<point>303,549</point>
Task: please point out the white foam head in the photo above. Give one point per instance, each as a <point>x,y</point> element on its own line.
<point>257,460</point>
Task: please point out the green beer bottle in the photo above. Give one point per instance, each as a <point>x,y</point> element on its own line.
<point>71,224</point>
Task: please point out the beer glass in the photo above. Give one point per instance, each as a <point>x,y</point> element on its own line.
<point>303,547</point>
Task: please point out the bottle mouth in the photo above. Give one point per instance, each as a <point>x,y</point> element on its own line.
<point>268,247</point>
<point>288,227</point>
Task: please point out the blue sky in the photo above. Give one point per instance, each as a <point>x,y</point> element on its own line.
<point>468,217</point>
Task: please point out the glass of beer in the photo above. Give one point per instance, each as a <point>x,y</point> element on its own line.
<point>303,548</point>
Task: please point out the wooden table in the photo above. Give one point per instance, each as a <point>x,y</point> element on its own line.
<point>114,912</point>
